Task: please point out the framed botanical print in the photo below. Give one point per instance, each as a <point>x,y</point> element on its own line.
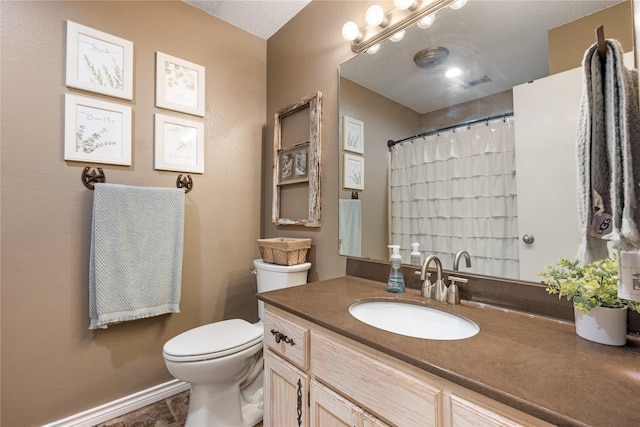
<point>179,85</point>
<point>179,144</point>
<point>97,131</point>
<point>99,62</point>
<point>352,135</point>
<point>353,172</point>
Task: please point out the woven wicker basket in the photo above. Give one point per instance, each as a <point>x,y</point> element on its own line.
<point>284,251</point>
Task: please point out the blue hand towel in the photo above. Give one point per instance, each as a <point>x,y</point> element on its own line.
<point>135,267</point>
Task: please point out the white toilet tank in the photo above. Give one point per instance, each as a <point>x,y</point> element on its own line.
<point>273,276</point>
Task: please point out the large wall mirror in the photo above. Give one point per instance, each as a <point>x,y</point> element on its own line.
<point>520,79</point>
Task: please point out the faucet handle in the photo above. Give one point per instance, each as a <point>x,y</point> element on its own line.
<point>453,293</point>
<point>454,280</point>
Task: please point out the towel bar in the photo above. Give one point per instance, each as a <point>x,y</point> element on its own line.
<point>89,179</point>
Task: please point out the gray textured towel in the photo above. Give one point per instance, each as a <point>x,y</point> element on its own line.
<point>135,268</point>
<point>607,143</point>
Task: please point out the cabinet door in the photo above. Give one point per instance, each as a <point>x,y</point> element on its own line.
<point>329,409</point>
<point>369,420</point>
<point>286,391</point>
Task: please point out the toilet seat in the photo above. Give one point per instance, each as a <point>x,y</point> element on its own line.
<point>213,341</point>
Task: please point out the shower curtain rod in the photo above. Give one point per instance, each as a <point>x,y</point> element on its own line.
<point>391,142</point>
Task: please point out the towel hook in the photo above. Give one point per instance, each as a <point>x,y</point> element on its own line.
<point>186,183</point>
<point>602,44</point>
<point>90,179</point>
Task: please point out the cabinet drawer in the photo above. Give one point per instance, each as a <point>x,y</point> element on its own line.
<point>394,395</point>
<point>469,413</point>
<point>287,339</point>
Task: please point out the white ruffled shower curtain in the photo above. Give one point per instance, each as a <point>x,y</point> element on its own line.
<point>456,190</point>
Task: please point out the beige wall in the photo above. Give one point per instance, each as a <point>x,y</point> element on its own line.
<point>303,58</point>
<point>384,119</point>
<point>567,43</point>
<point>53,366</point>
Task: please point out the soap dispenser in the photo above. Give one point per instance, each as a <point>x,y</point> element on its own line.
<point>416,258</point>
<point>396,279</point>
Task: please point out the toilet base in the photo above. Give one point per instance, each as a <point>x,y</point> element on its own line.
<point>225,408</point>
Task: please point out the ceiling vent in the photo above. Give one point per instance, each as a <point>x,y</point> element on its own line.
<point>431,57</point>
<point>476,82</point>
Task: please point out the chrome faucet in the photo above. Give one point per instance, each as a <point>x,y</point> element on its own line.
<point>459,255</point>
<point>437,290</point>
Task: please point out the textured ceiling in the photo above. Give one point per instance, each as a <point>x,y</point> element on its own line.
<point>504,40</point>
<point>262,18</point>
<point>507,41</point>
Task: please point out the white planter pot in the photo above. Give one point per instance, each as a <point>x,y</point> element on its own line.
<point>603,325</point>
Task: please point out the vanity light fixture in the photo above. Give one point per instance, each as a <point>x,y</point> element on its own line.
<point>406,4</point>
<point>458,4</point>
<point>381,27</point>
<point>373,49</point>
<point>350,31</point>
<point>375,16</point>
<point>397,36</point>
<point>425,22</point>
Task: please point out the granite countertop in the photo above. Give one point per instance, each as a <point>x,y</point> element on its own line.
<point>532,363</point>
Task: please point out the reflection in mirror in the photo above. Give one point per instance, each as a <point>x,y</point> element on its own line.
<point>519,61</point>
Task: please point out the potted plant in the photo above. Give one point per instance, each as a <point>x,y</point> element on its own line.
<point>600,315</point>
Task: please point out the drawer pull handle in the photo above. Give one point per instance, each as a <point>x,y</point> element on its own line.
<point>299,408</point>
<point>279,336</point>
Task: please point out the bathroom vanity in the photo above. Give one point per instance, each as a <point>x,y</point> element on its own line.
<point>323,367</point>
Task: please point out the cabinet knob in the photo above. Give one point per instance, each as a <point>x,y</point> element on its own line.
<point>279,336</point>
<point>528,239</point>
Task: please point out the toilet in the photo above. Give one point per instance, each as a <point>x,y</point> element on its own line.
<point>223,360</point>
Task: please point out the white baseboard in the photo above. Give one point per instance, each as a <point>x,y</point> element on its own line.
<point>122,406</point>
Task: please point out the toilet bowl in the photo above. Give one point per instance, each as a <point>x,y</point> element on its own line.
<point>223,360</point>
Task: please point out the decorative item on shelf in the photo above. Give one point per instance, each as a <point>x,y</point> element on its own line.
<point>381,26</point>
<point>600,314</point>
<point>284,250</point>
<point>292,164</point>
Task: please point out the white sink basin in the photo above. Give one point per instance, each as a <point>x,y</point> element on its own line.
<point>414,320</point>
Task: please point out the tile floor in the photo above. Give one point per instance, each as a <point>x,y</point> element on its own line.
<point>171,412</point>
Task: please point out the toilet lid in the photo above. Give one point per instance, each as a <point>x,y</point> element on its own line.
<point>213,340</point>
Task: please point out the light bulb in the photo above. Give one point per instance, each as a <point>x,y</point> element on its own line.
<point>373,49</point>
<point>458,4</point>
<point>427,21</point>
<point>403,4</point>
<point>397,36</point>
<point>453,72</point>
<point>375,16</point>
<point>350,31</point>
